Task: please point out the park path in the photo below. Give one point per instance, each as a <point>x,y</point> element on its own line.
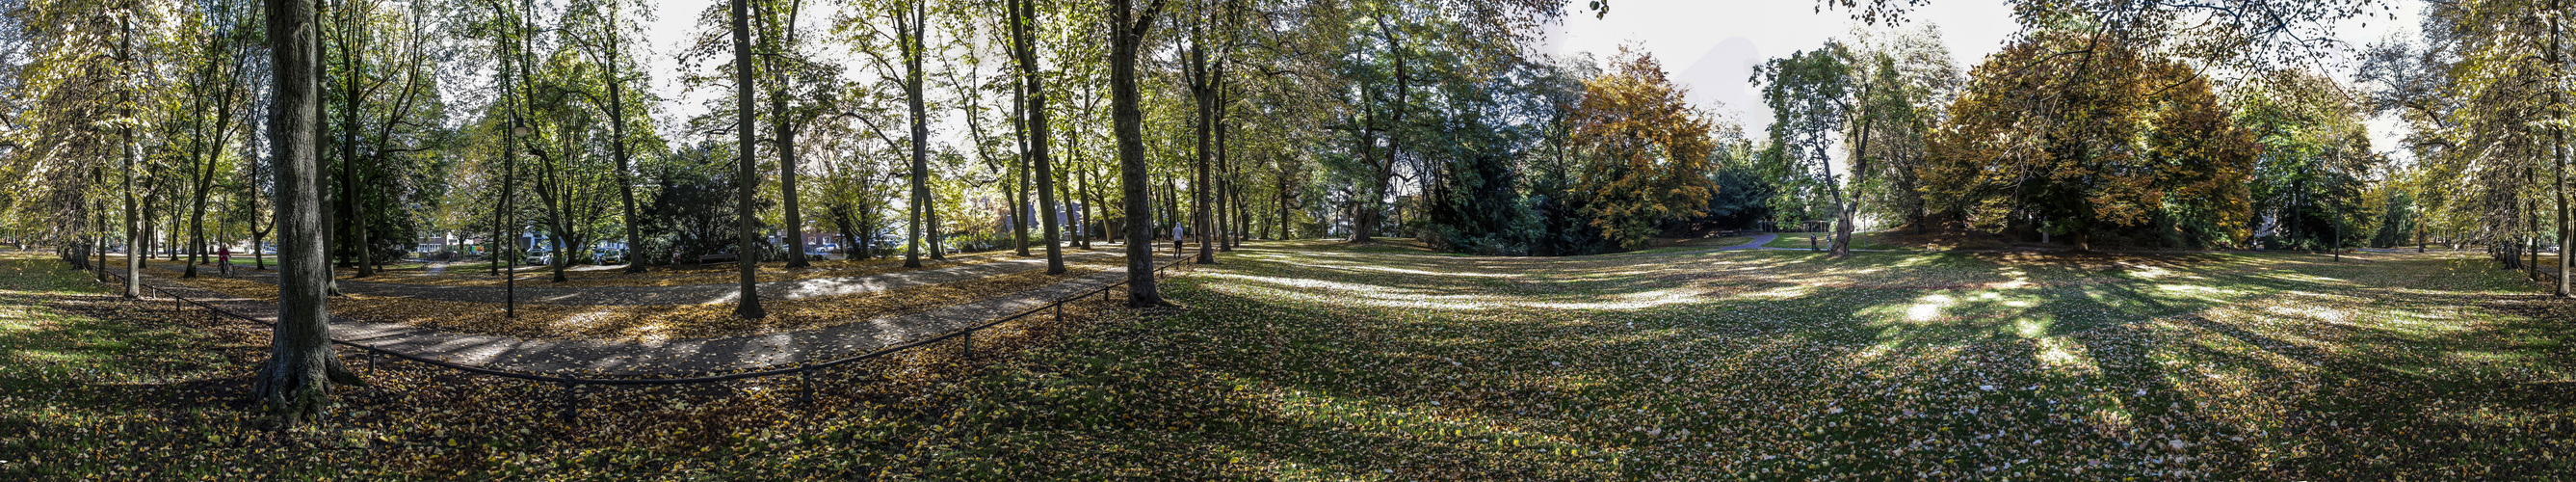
<point>1759,239</point>
<point>663,358</point>
<point>537,291</point>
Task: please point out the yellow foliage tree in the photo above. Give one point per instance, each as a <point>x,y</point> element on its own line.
<point>2082,135</point>
<point>1649,151</point>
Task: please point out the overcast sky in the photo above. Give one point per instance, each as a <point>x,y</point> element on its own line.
<point>1710,46</point>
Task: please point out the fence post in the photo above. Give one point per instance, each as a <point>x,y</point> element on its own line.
<point>570,398</point>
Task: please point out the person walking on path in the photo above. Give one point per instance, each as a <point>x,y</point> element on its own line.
<point>224,260</point>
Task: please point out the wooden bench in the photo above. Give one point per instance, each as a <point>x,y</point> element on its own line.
<point>718,259</point>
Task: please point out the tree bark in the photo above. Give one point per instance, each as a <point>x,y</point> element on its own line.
<point>908,26</point>
<point>1017,190</point>
<point>787,179</point>
<point>355,218</point>
<point>1082,176</point>
<point>617,146</point>
<point>2558,142</point>
<point>1204,86</point>
<point>1127,37</point>
<point>1024,30</point>
<point>746,220</point>
<point>301,369</point>
<point>782,123</point>
<point>133,218</point>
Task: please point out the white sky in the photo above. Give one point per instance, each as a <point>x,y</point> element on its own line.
<point>1709,46</point>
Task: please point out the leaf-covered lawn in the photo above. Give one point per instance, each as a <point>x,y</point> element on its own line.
<point>1298,363</point>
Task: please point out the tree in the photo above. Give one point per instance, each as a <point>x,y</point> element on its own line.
<point>125,129</point>
<point>296,381</point>
<point>212,94</point>
<point>607,50</point>
<point>779,41</point>
<point>1652,151</point>
<point>1908,80</point>
<point>2486,100</point>
<point>1811,94</point>
<point>2066,161</point>
<point>570,182</point>
<point>2306,183</point>
<point>1127,30</point>
<point>1024,19</point>
<point>745,222</point>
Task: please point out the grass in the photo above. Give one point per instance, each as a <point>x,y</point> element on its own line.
<point>1863,240</point>
<point>1299,362</point>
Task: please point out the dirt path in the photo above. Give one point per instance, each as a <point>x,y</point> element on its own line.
<point>663,358</point>
<point>537,291</point>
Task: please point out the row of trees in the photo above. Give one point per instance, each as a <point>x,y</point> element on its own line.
<point>941,124</point>
<point>2112,123</point>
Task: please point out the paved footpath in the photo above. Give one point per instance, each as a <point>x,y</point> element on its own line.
<point>666,358</point>
<point>536,291</point>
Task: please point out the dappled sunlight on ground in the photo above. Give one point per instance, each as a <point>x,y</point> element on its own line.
<point>1784,364</point>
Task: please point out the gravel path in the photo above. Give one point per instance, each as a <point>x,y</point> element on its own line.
<point>666,358</point>
<point>537,292</point>
<point>1759,239</point>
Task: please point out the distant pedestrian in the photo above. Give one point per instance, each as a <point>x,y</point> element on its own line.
<point>224,260</point>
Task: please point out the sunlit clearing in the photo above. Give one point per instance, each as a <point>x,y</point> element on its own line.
<point>1431,273</point>
<point>2033,327</point>
<point>1646,299</point>
<point>2066,357</point>
<point>1928,308</point>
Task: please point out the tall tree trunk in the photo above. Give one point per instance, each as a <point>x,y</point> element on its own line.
<point>783,124</point>
<point>1229,211</point>
<point>908,25</point>
<point>786,134</point>
<point>617,147</point>
<point>2558,149</point>
<point>1127,37</point>
<point>1172,214</point>
<point>258,258</point>
<point>1018,195</point>
<point>1083,177</point>
<point>356,219</point>
<point>1282,194</point>
<point>849,232</point>
<point>98,229</point>
<point>296,381</point>
<point>133,217</point>
<point>746,240</point>
<point>1204,86</point>
<point>1024,30</point>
